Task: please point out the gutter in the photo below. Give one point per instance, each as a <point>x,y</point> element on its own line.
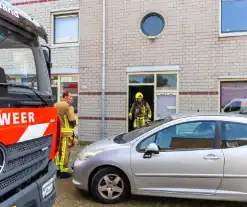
<point>103,71</point>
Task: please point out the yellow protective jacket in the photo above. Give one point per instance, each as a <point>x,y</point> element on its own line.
<point>67,116</point>
<point>140,110</point>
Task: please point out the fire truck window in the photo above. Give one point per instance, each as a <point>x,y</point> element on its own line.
<point>17,58</point>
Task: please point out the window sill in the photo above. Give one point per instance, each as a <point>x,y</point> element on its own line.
<point>233,34</point>
<point>64,45</point>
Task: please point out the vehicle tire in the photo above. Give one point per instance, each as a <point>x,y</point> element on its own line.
<point>109,185</point>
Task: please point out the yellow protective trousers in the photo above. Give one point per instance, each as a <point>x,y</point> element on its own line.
<point>139,122</point>
<point>62,158</point>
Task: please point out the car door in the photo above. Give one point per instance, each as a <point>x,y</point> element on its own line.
<point>234,147</point>
<point>186,163</point>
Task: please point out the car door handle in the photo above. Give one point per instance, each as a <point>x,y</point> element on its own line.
<point>211,157</point>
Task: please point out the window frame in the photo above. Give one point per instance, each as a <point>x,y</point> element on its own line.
<point>221,81</point>
<point>228,34</point>
<point>145,16</point>
<point>64,13</point>
<point>216,139</point>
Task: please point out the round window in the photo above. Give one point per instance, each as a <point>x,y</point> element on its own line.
<point>152,24</point>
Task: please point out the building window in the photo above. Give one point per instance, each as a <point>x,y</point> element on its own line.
<point>141,78</point>
<point>233,96</point>
<point>166,81</point>
<point>70,84</point>
<point>152,24</point>
<point>66,28</point>
<point>64,83</point>
<point>233,16</point>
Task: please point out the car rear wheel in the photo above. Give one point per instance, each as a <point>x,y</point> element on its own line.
<point>109,185</point>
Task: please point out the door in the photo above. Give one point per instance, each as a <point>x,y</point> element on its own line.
<point>148,93</point>
<point>234,147</point>
<point>70,84</point>
<point>54,88</point>
<point>166,104</point>
<point>187,162</point>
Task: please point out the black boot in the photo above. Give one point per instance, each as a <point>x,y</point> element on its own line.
<point>64,175</point>
<point>58,173</point>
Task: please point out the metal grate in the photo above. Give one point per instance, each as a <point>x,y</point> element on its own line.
<point>26,146</point>
<point>17,177</point>
<point>24,160</point>
<point>13,164</point>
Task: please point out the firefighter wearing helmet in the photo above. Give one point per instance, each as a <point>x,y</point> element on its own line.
<point>140,111</point>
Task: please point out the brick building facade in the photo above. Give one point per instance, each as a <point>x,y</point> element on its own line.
<point>191,45</point>
<point>196,57</point>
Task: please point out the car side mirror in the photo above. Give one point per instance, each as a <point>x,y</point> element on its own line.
<point>150,150</point>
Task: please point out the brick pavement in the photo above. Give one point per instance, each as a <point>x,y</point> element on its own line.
<point>69,196</point>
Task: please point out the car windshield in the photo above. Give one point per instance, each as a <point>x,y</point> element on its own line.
<point>138,132</point>
<point>17,59</point>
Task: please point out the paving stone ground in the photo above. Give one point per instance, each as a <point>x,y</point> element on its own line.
<point>69,196</point>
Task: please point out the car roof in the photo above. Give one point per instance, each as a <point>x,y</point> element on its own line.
<point>187,115</point>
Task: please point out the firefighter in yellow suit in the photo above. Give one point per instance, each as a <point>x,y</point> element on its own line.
<point>68,122</point>
<point>141,112</point>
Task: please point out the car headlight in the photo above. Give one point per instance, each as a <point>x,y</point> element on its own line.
<point>86,155</point>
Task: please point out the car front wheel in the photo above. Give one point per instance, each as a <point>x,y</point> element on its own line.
<point>109,185</point>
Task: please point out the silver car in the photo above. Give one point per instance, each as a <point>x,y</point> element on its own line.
<point>185,156</point>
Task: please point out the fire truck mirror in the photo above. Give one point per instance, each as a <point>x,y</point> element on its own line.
<point>46,54</point>
<point>3,88</point>
<point>47,59</point>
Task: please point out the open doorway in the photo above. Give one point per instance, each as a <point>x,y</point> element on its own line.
<point>148,93</point>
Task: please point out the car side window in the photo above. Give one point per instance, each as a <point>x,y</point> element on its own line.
<point>234,106</point>
<point>190,135</point>
<point>143,145</point>
<point>233,134</point>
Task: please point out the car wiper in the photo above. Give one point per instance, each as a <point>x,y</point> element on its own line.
<point>26,87</point>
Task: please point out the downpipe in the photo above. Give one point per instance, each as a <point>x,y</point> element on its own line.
<point>103,71</point>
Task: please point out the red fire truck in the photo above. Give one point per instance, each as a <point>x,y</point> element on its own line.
<point>29,125</point>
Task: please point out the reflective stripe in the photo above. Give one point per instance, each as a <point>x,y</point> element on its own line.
<point>66,130</point>
<point>66,121</point>
<point>64,170</point>
<point>139,123</point>
<point>57,161</point>
<point>140,118</point>
<point>63,154</point>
